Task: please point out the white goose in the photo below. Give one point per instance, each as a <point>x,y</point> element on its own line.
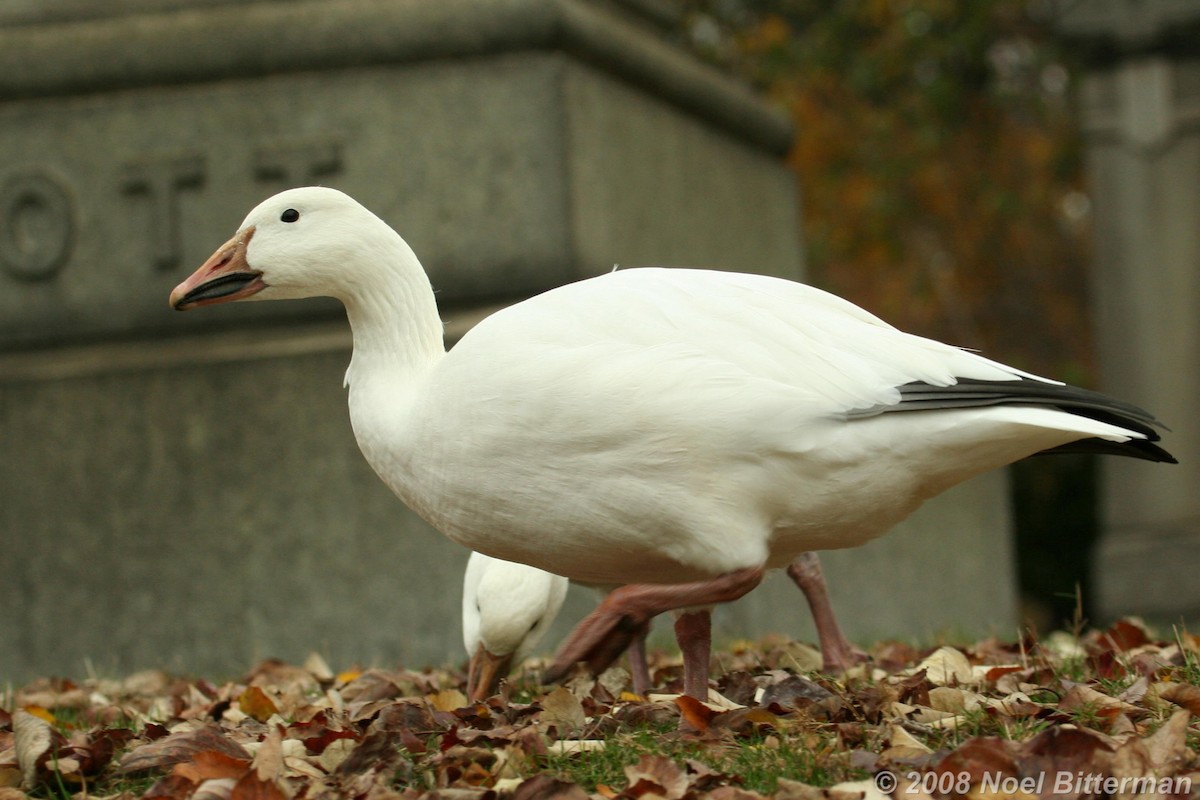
<point>506,610</point>
<point>673,432</point>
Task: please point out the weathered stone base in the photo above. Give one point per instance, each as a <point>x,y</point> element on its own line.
<point>1151,572</point>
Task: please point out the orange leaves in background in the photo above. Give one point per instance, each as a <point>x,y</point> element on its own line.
<point>939,161</point>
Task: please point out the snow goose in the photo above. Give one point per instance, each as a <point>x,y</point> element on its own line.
<point>674,432</point>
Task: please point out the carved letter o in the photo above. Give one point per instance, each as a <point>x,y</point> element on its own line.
<point>37,226</point>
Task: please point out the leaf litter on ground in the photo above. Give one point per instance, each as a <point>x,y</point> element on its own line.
<point>1110,713</point>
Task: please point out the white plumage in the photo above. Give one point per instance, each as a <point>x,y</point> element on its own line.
<point>506,610</point>
<point>650,425</point>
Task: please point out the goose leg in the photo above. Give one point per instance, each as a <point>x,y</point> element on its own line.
<point>837,654</point>
<point>605,633</point>
<point>639,667</point>
<point>693,632</point>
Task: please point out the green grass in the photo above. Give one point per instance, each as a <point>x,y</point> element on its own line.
<point>759,760</point>
<point>105,786</point>
<point>1189,671</point>
<point>979,722</point>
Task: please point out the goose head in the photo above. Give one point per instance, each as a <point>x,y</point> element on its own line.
<point>507,609</point>
<point>304,242</point>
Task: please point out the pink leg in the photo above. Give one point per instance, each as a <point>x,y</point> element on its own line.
<point>837,654</point>
<point>693,631</point>
<point>639,668</point>
<point>625,614</point>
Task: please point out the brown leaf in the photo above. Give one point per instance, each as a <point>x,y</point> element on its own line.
<point>1084,698</point>
<point>376,752</point>
<point>902,746</point>
<point>268,761</point>
<point>255,703</point>
<point>404,714</point>
<point>1167,746</point>
<point>732,793</point>
<point>10,776</point>
<point>211,765</point>
<point>562,710</point>
<point>1125,634</point>
<point>215,789</point>
<point>454,793</point>
<point>996,673</point>
<point>374,684</point>
<point>740,687</point>
<point>695,713</point>
<point>947,698</point>
<point>172,787</point>
<point>657,775</point>
<point>744,720</point>
<point>33,738</point>
<point>792,692</point>
<point>946,667</point>
<point>1181,694</point>
<point>179,747</point>
<point>545,786</point>
<point>980,756</point>
<point>1131,760</point>
<point>795,790</point>
<point>702,777</point>
<point>318,733</point>
<point>251,787</point>
<point>448,700</point>
<point>1065,749</point>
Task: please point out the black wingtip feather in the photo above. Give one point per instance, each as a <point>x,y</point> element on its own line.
<point>972,393</point>
<point>1134,448</point>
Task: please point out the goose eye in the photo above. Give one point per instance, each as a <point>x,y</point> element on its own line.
<point>291,215</point>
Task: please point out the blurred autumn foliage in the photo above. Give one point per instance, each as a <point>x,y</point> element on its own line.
<point>941,171</point>
<point>938,158</point>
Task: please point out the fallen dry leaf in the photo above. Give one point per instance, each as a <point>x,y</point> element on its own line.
<point>563,711</point>
<point>1181,694</point>
<point>212,765</point>
<point>1124,634</point>
<point>215,789</point>
<point>547,787</point>
<point>1167,747</point>
<point>695,713</point>
<point>32,737</point>
<point>946,667</point>
<point>179,747</point>
<point>656,776</point>
<point>396,734</point>
<point>252,787</point>
<point>268,761</point>
<point>980,757</point>
<point>448,700</point>
<point>903,746</point>
<point>254,703</point>
<point>1081,697</point>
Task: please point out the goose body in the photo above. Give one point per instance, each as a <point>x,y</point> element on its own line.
<point>690,422</point>
<point>650,426</point>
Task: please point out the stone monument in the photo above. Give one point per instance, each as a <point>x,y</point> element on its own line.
<point>1141,118</point>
